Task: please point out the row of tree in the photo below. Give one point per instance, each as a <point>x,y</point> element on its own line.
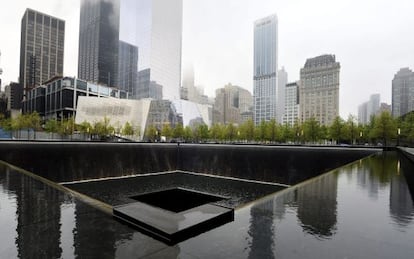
<point>381,129</point>
<point>66,127</point>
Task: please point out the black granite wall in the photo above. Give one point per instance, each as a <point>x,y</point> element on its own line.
<point>68,161</point>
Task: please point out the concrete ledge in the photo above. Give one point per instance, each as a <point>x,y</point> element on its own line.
<point>408,152</point>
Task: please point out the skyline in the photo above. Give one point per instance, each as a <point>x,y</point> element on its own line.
<point>366,41</point>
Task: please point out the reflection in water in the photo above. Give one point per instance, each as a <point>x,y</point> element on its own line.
<point>261,230</point>
<point>38,225</point>
<point>317,206</point>
<point>401,202</point>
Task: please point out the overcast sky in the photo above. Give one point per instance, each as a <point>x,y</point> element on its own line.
<point>372,39</point>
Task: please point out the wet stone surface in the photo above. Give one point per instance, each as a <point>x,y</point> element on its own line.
<point>121,191</point>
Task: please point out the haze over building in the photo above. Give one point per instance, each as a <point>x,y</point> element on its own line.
<point>319,92</point>
<point>155,26</point>
<point>368,109</point>
<point>41,48</point>
<point>403,92</point>
<point>98,41</point>
<point>265,69</point>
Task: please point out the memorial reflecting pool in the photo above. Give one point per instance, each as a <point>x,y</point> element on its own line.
<point>361,210</point>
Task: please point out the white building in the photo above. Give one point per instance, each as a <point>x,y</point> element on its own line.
<point>291,114</point>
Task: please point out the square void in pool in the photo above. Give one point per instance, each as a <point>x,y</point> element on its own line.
<point>177,199</point>
<point>174,215</point>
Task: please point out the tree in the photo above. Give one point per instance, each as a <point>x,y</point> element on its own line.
<point>200,132</point>
<point>407,127</point>
<point>188,134</point>
<point>287,133</point>
<point>67,127</point>
<point>178,131</point>
<point>272,131</point>
<point>103,129</point>
<point>151,133</point>
<point>336,130</point>
<point>127,129</point>
<point>260,131</point>
<point>311,129</point>
<point>351,129</point>
<point>216,132</point>
<point>385,127</point>
<point>230,132</point>
<point>166,131</point>
<point>247,130</point>
<point>51,126</point>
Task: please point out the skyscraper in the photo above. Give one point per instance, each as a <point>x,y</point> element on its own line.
<point>265,69</point>
<point>98,41</point>
<point>41,48</point>
<point>128,68</point>
<point>230,103</point>
<point>403,92</point>
<point>369,109</point>
<point>291,114</point>
<point>155,26</point>
<point>319,92</point>
<point>282,79</point>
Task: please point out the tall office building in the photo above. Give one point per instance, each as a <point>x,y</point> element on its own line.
<point>319,93</point>
<point>291,114</point>
<point>282,79</point>
<point>265,69</point>
<point>155,26</point>
<point>362,113</point>
<point>403,92</point>
<point>128,68</point>
<point>41,48</point>
<point>369,109</point>
<point>98,41</point>
<point>231,103</point>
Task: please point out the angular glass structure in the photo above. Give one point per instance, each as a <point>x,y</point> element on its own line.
<point>265,69</point>
<point>155,26</point>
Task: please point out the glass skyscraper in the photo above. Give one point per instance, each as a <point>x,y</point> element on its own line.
<point>155,26</point>
<point>98,41</point>
<point>128,68</point>
<point>265,69</point>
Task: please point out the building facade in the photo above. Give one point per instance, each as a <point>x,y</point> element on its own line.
<point>369,109</point>
<point>58,98</point>
<point>403,92</point>
<point>14,93</point>
<point>98,41</point>
<point>232,105</point>
<point>41,48</point>
<point>281,91</point>
<point>128,68</point>
<point>319,92</point>
<point>292,107</point>
<point>265,69</point>
<point>155,26</point>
